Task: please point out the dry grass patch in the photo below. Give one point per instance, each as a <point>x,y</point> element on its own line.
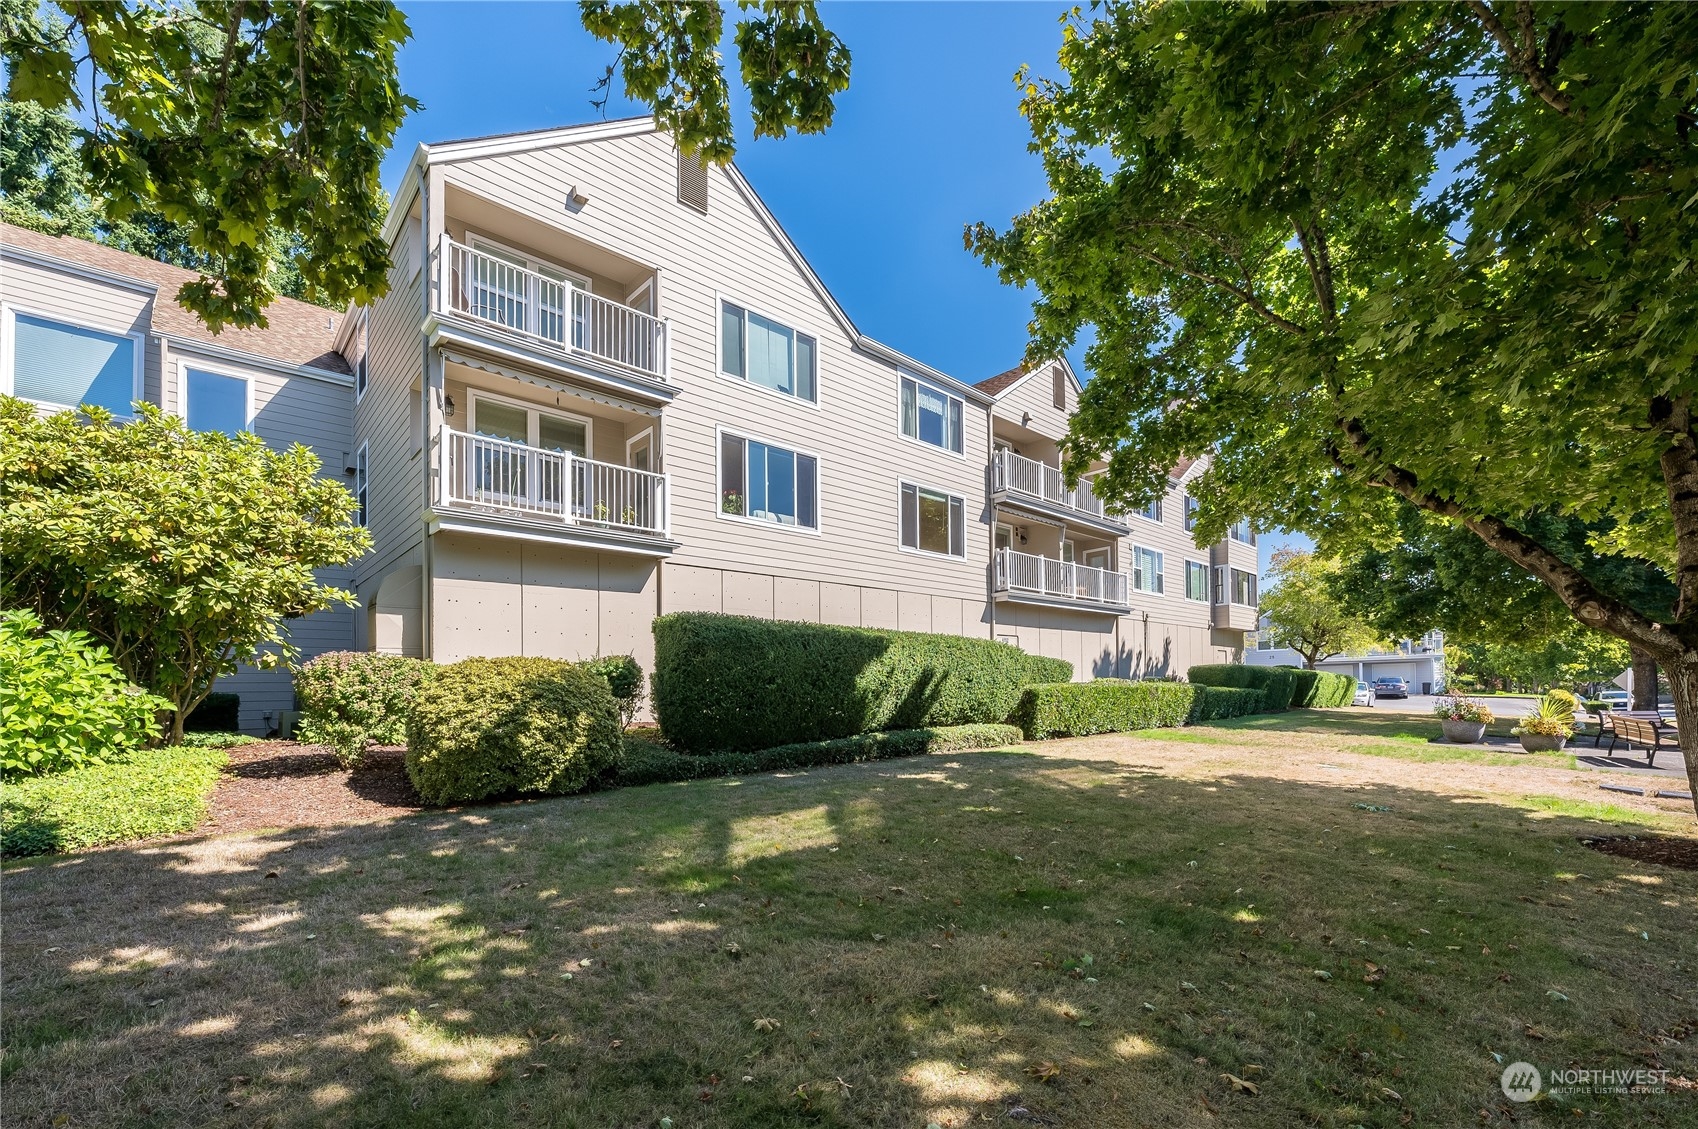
<point>1095,941</point>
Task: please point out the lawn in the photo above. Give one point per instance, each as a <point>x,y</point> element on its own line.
<point>1115,931</point>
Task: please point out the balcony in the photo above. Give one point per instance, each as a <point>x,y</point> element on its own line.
<point>1022,480</point>
<point>1034,579</point>
<point>550,312</point>
<point>557,489</point>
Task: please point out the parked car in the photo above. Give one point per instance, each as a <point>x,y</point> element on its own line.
<point>1364,695</point>
<point>1615,699</point>
<point>1390,688</point>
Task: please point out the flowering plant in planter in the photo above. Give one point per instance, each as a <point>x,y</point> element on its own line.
<point>1459,708</point>
<point>1552,717</point>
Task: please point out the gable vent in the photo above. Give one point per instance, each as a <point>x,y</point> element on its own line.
<point>1060,379</point>
<point>692,181</point>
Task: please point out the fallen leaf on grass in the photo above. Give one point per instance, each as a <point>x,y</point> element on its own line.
<point>765,1024</point>
<point>1242,1086</point>
<point>1375,973</point>
<point>1044,1071</point>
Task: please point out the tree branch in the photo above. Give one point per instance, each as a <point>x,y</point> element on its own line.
<point>1243,294</point>
<point>1313,243</point>
<point>1525,60</point>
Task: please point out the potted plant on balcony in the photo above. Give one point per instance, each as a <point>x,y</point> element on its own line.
<point>1462,719</point>
<point>1550,724</point>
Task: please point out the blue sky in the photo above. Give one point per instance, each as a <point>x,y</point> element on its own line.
<point>927,139</point>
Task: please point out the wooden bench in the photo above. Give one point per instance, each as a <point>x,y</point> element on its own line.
<point>1651,734</point>
<point>1602,715</point>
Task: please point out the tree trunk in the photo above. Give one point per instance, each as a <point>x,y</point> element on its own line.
<point>1644,679</point>
<point>1683,680</point>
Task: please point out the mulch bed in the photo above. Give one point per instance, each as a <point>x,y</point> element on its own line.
<point>1661,849</point>
<point>286,784</point>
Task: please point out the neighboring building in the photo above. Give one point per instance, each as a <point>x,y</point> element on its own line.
<point>605,385</point>
<point>1419,662</point>
<point>81,323</point>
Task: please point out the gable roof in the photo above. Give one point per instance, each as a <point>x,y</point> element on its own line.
<point>475,148</point>
<point>299,333</point>
<point>996,386</point>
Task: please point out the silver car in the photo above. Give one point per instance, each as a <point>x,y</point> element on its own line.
<point>1364,695</point>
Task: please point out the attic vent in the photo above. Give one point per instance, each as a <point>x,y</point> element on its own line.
<point>1060,389</point>
<point>692,181</point>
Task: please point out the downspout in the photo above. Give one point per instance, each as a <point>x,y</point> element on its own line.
<point>427,571</point>
<point>990,507</point>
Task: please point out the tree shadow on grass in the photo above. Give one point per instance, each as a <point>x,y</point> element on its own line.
<point>936,939</point>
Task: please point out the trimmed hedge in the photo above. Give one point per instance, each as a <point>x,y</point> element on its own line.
<point>1217,703</point>
<point>351,699</point>
<point>218,712</point>
<point>491,727</point>
<point>1107,705</point>
<point>1319,689</point>
<point>725,683</point>
<point>151,792</point>
<point>1275,682</point>
<point>645,762</point>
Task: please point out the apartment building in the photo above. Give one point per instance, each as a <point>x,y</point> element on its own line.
<point>605,385</point>
<point>85,324</point>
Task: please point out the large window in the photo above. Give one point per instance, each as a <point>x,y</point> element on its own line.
<point>360,485</point>
<point>214,401</point>
<point>1241,531</point>
<point>930,415</point>
<point>1196,581</point>
<point>1235,585</point>
<point>1147,570</point>
<point>68,366</point>
<point>767,483</point>
<point>933,522</point>
<point>761,351</point>
<point>1152,511</point>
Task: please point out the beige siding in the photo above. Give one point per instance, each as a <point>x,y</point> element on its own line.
<point>87,301</point>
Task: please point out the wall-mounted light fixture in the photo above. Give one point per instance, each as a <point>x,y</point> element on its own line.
<point>1026,420</point>
<point>448,407</point>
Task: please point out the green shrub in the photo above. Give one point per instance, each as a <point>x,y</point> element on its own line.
<point>490,727</point>
<point>1275,682</point>
<point>1319,689</point>
<point>151,792</point>
<point>647,762</point>
<point>624,678</point>
<point>351,699</point>
<point>1217,703</point>
<point>217,740</point>
<point>1108,705</point>
<point>218,712</point>
<point>63,704</point>
<point>734,682</point>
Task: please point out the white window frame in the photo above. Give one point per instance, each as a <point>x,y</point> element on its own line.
<point>1188,507</point>
<point>1189,565</point>
<point>998,527</point>
<point>1232,575</point>
<point>919,381</point>
<point>1155,505</point>
<point>362,487</point>
<point>1249,537</point>
<point>720,298</point>
<point>951,498</point>
<point>654,451</point>
<point>184,364</point>
<point>9,349</point>
<point>1137,570</point>
<point>719,434</point>
<point>473,395</point>
<point>1108,553</point>
<point>362,371</point>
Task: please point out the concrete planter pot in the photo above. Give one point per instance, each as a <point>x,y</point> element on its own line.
<point>1463,732</point>
<point>1542,742</point>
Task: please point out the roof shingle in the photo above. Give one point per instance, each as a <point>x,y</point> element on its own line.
<point>299,332</point>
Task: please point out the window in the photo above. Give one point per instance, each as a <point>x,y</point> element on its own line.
<point>68,366</point>
<point>1004,536</point>
<point>933,522</point>
<point>1241,531</point>
<point>1151,511</point>
<point>1196,581</point>
<point>360,486</point>
<point>1220,584</point>
<point>213,401</point>
<point>761,351</point>
<point>1146,570</point>
<point>1244,588</point>
<point>516,423</point>
<point>930,415</point>
<point>1190,513</point>
<point>358,344</point>
<point>767,483</point>
<point>1264,642</point>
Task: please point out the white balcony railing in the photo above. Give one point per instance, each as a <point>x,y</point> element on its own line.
<point>551,310</point>
<point>554,485</point>
<point>1042,576</point>
<point>1020,475</point>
